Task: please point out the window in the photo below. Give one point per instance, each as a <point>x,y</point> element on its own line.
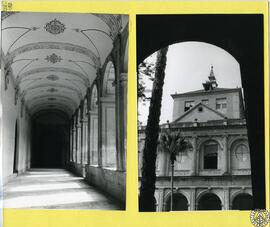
<point>241,152</point>
<point>189,105</point>
<point>210,158</point>
<point>200,109</point>
<point>221,104</point>
<point>205,101</point>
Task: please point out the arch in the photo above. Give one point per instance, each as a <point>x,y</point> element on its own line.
<point>58,106</point>
<point>57,96</point>
<point>108,115</point>
<point>54,45</point>
<point>49,139</point>
<point>242,201</point>
<point>180,202</point>
<point>59,113</point>
<point>208,201</point>
<point>240,157</point>
<point>53,85</point>
<point>183,159</point>
<point>108,87</point>
<point>209,151</point>
<point>52,70</point>
<point>230,37</point>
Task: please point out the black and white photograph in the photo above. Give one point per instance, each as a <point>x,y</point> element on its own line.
<point>64,106</point>
<point>200,112</point>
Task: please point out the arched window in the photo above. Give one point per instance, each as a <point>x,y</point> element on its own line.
<point>209,201</point>
<point>209,155</point>
<point>240,157</point>
<point>242,201</point>
<point>180,202</point>
<point>184,159</point>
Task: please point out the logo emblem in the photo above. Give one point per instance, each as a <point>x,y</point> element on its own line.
<point>259,217</point>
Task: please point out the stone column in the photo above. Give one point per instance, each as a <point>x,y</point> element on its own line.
<point>81,141</point>
<point>99,79</point>
<point>160,199</point>
<point>224,155</point>
<point>71,143</point>
<point>84,142</point>
<point>122,115</point>
<point>226,199</point>
<point>192,203</point>
<point>78,126</point>
<point>88,138</point>
<point>74,143</point>
<point>194,156</point>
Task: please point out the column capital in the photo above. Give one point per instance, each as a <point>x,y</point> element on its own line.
<point>123,77</point>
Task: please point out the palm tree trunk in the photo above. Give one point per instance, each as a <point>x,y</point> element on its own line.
<point>172,169</point>
<point>147,190</point>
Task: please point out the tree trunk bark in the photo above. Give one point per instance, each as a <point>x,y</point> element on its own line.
<point>147,200</point>
<point>172,172</point>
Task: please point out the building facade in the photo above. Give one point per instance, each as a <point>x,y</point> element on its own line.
<point>215,173</point>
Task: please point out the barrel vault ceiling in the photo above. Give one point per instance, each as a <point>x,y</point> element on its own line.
<point>53,57</point>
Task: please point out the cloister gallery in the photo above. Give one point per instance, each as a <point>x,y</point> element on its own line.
<point>64,89</point>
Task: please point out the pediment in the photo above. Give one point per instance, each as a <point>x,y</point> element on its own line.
<point>200,113</point>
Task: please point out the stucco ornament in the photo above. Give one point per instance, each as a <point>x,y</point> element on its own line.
<point>52,77</point>
<point>55,27</point>
<point>53,58</point>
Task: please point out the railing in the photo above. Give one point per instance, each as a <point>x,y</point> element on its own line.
<point>226,122</point>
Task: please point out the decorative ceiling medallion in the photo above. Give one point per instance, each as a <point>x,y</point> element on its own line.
<point>55,27</point>
<point>52,90</point>
<point>51,99</point>
<point>52,77</point>
<point>53,58</point>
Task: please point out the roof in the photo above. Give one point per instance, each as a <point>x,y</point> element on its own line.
<point>202,91</point>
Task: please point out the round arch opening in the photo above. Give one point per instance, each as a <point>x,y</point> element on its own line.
<point>209,201</point>
<point>180,203</point>
<point>243,201</point>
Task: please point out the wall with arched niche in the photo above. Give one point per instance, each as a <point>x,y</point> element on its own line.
<point>11,112</point>
<point>240,157</point>
<point>108,117</point>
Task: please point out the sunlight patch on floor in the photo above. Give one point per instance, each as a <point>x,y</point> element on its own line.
<point>47,200</point>
<point>42,187</point>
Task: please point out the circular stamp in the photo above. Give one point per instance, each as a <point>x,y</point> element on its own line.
<point>259,217</point>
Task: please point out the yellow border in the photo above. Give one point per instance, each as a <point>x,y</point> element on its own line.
<point>131,217</point>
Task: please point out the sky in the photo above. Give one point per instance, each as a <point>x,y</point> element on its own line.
<point>188,66</point>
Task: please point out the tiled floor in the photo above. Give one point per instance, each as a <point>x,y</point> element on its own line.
<point>55,189</point>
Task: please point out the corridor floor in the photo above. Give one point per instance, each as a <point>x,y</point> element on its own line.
<point>55,189</point>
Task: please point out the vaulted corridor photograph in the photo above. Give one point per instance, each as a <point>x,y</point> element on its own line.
<point>63,118</point>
